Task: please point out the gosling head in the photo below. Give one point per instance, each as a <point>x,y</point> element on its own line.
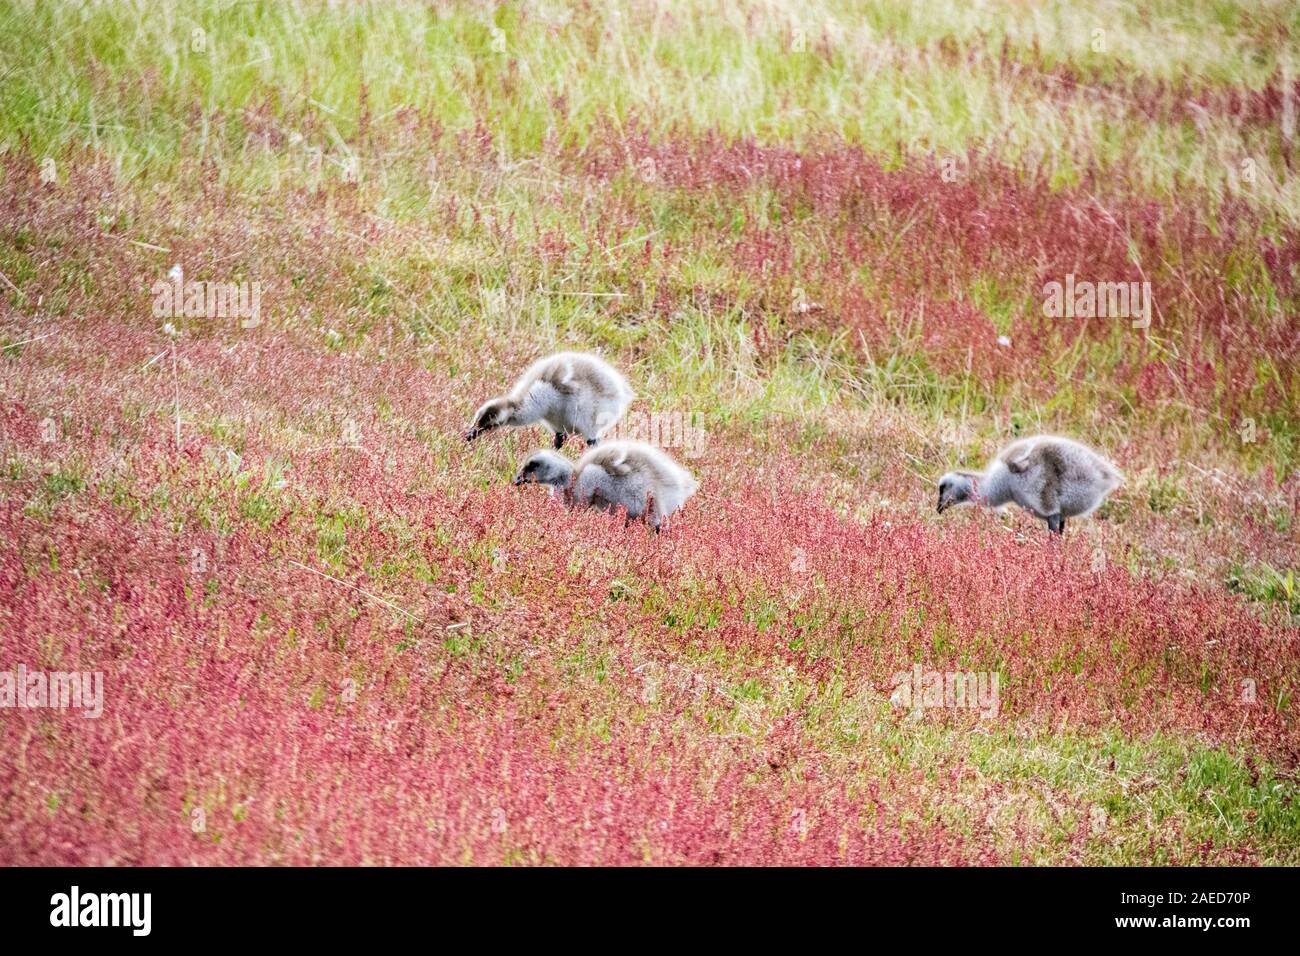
<point>491,415</point>
<point>956,488</point>
<point>545,468</point>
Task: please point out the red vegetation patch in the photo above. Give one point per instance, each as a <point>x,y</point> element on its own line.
<point>469,735</point>
<point>924,240</point>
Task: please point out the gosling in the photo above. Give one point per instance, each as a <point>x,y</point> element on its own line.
<point>638,478</point>
<point>571,393</point>
<point>1054,478</point>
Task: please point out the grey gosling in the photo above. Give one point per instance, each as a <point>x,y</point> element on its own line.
<point>1054,478</point>
<point>571,393</point>
<point>638,478</point>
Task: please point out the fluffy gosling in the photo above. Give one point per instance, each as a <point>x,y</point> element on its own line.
<point>638,478</point>
<point>1054,478</point>
<point>570,393</point>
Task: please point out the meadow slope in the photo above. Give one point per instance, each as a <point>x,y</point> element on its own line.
<point>816,237</point>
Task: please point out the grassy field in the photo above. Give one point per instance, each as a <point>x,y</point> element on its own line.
<point>816,236</point>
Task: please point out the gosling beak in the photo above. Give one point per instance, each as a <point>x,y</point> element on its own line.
<point>471,434</point>
<point>940,508</point>
<point>520,480</point>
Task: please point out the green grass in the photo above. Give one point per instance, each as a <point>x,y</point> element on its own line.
<point>313,75</point>
<point>1267,584</point>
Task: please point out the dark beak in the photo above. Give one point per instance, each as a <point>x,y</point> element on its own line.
<point>520,480</point>
<point>471,434</point>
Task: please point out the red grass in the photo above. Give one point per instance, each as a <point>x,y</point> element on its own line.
<point>229,698</point>
<point>924,240</point>
<point>499,715</point>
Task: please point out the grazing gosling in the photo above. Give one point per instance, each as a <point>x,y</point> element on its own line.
<point>1054,478</point>
<point>570,393</point>
<point>550,468</point>
<point>639,478</point>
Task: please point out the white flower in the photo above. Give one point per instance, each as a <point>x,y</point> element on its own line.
<point>176,274</point>
<point>169,329</point>
<point>1004,340</point>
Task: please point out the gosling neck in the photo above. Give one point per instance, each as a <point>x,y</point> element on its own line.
<point>991,489</point>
